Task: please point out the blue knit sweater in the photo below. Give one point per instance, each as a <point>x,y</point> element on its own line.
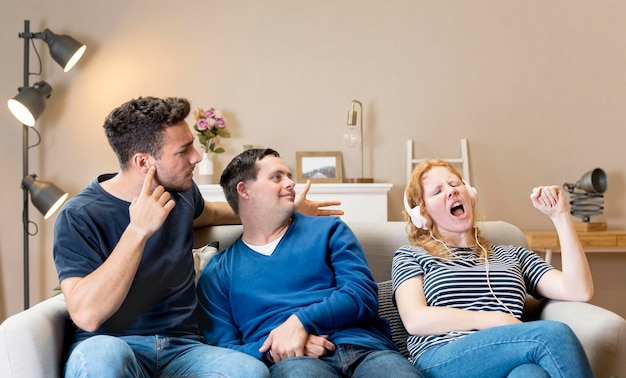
<point>318,272</point>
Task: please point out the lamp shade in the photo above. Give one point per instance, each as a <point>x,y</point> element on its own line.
<point>352,115</point>
<point>65,50</point>
<point>594,181</point>
<point>29,103</point>
<point>46,196</point>
<point>353,135</point>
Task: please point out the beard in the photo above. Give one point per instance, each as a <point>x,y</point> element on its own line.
<point>177,188</point>
<point>175,185</point>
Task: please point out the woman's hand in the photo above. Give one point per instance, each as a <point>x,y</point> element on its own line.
<point>549,200</point>
<point>574,281</point>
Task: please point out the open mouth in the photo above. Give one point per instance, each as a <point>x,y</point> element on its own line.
<point>457,209</point>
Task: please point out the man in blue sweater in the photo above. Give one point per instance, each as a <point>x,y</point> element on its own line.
<point>294,291</point>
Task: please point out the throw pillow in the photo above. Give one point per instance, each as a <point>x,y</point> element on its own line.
<point>201,256</point>
<point>387,310</point>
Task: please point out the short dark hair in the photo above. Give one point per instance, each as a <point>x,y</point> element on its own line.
<point>243,167</point>
<point>139,124</point>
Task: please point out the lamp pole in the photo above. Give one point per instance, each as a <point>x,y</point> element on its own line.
<point>361,127</point>
<point>26,107</point>
<point>26,35</point>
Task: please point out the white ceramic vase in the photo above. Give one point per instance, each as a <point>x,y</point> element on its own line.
<point>205,169</point>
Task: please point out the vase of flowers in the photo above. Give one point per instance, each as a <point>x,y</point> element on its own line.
<point>210,126</point>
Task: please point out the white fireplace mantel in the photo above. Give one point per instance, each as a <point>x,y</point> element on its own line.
<point>360,202</point>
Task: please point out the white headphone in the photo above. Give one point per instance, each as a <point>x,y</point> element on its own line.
<point>416,215</point>
<point>473,193</point>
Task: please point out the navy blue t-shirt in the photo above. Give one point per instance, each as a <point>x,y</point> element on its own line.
<point>162,297</point>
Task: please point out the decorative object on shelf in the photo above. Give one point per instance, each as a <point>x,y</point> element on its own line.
<point>205,169</point>
<point>210,126</point>
<point>587,194</point>
<point>354,136</point>
<point>27,106</point>
<point>319,166</point>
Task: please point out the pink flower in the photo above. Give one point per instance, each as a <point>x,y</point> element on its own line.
<point>203,124</point>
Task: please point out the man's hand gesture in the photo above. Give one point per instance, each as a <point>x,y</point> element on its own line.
<point>149,210</point>
<point>314,208</point>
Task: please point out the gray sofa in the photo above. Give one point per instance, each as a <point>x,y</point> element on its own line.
<point>32,341</point>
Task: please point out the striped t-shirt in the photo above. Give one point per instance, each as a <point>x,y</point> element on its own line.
<point>461,282</point>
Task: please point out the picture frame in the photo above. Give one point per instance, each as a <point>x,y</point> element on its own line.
<point>319,166</point>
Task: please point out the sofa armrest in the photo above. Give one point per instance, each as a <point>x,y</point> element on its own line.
<point>601,332</point>
<point>32,341</point>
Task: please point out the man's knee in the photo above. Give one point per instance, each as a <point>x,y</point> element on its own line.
<point>100,353</point>
<point>303,367</point>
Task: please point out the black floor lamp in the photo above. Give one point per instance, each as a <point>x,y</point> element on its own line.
<point>27,106</point>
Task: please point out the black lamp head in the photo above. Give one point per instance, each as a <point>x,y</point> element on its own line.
<point>594,181</point>
<point>65,50</point>
<point>29,103</point>
<point>46,196</point>
<point>587,194</point>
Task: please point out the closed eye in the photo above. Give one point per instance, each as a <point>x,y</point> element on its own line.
<point>435,191</point>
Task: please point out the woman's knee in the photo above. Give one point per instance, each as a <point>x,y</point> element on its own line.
<point>528,370</point>
<point>557,328</point>
<point>557,332</point>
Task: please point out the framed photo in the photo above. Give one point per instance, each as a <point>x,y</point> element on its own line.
<point>319,166</point>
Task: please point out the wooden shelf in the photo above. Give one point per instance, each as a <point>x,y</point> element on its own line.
<point>361,202</point>
<point>592,241</point>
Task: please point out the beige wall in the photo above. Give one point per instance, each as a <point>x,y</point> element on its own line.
<point>537,87</point>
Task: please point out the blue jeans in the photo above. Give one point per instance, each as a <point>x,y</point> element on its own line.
<point>347,361</point>
<point>150,356</point>
<point>533,349</point>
